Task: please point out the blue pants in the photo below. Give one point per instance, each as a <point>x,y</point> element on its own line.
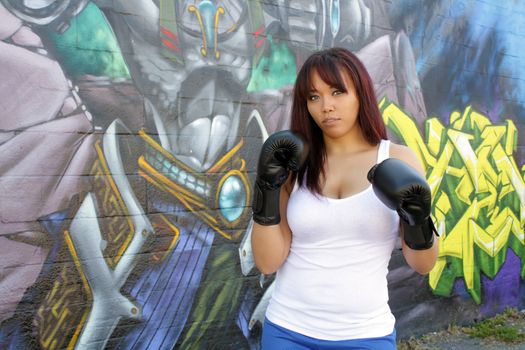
<point>275,337</point>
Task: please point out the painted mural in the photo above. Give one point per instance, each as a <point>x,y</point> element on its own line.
<point>129,134</point>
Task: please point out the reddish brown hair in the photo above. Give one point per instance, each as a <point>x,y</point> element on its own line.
<point>328,64</point>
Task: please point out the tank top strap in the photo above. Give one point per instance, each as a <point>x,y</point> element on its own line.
<point>384,151</point>
<point>295,185</point>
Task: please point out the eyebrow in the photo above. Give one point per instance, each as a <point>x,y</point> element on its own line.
<point>331,87</point>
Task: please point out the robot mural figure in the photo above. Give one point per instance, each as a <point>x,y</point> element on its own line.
<point>176,193</point>
<point>158,201</point>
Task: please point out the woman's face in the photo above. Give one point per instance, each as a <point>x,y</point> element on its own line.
<point>333,110</point>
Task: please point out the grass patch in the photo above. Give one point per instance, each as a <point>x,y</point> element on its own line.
<point>500,327</point>
<point>505,328</point>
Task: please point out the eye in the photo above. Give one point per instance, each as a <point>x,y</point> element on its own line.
<point>337,92</point>
<point>313,98</point>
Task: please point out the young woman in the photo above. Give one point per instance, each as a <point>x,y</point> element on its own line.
<point>332,196</point>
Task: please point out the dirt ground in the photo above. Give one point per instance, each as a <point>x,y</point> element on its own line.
<point>505,331</point>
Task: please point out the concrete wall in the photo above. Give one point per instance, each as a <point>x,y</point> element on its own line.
<point>129,132</point>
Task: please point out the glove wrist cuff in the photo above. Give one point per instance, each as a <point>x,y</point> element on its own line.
<point>265,205</point>
<point>419,237</point>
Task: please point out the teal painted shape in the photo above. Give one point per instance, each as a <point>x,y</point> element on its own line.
<point>274,71</point>
<point>89,46</point>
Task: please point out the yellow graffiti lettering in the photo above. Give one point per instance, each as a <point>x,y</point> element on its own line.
<point>477,189</point>
<point>397,120</point>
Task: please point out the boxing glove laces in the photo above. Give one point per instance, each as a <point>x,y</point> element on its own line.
<point>402,188</point>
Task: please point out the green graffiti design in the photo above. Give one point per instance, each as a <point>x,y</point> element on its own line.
<point>478,193</point>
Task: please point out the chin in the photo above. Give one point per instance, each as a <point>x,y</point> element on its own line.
<point>335,134</point>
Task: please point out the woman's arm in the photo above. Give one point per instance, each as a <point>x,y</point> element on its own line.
<point>421,261</point>
<point>271,244</point>
<point>281,153</point>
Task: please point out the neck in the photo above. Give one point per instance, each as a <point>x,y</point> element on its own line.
<point>347,144</point>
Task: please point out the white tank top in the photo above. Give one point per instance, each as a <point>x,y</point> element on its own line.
<point>333,284</point>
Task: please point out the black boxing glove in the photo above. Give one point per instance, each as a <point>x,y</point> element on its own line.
<point>282,152</point>
<point>402,188</point>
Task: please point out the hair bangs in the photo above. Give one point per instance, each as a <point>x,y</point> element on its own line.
<point>329,70</point>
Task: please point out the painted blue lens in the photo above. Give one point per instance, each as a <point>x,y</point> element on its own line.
<point>335,17</point>
<point>232,198</point>
<point>208,11</point>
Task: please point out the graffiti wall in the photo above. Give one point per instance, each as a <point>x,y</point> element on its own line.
<point>129,133</point>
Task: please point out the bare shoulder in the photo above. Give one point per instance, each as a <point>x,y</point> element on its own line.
<point>405,154</point>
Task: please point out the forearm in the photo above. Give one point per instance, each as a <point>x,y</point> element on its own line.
<point>422,261</point>
<point>282,152</point>
<point>270,246</point>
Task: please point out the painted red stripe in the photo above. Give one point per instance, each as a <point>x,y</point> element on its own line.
<point>170,45</point>
<point>259,43</point>
<point>258,32</point>
<point>169,34</point>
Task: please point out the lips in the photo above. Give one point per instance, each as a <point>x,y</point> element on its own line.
<point>330,120</point>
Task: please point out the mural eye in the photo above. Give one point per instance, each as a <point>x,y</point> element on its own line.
<point>334,17</point>
<point>232,198</point>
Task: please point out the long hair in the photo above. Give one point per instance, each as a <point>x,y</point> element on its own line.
<point>328,64</point>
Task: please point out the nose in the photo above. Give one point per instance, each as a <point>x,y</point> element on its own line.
<point>328,105</point>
